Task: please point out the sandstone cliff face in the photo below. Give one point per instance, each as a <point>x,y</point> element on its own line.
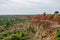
<point>45,29</point>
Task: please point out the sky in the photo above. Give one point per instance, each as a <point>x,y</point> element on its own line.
<point>28,7</point>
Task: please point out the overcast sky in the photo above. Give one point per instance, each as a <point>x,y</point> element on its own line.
<point>28,6</point>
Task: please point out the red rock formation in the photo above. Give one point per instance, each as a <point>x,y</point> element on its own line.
<point>48,23</point>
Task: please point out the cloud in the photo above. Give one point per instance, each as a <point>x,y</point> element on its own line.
<point>28,6</point>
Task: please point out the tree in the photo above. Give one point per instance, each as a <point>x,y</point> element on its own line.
<point>44,13</point>
<point>56,12</point>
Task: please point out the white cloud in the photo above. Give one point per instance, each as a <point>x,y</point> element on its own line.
<point>27,1</point>
<point>46,1</point>
<point>28,6</point>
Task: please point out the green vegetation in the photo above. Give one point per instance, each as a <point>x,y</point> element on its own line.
<point>21,35</point>
<point>8,22</point>
<point>18,35</point>
<point>58,36</point>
